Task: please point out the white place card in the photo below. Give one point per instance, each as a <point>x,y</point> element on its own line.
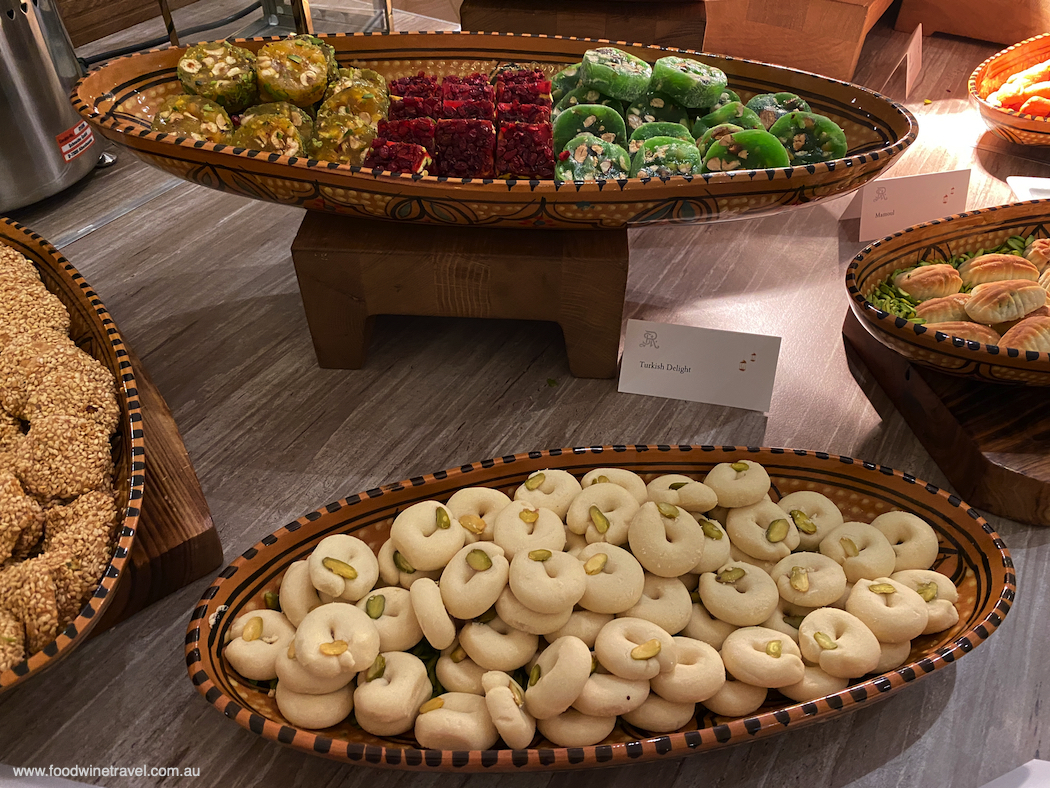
<point>699,364</point>
<point>1026,188</point>
<point>1034,774</point>
<point>912,60</point>
<point>887,205</point>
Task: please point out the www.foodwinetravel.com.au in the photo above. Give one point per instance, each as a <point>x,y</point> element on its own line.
<point>76,771</point>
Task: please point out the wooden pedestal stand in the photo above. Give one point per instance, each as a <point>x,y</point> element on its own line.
<point>353,269</point>
<point>176,541</point>
<point>992,442</point>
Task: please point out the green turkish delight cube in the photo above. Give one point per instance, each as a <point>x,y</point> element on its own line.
<point>664,157</point>
<point>615,73</point>
<point>689,82</point>
<point>601,121</point>
<point>809,138</point>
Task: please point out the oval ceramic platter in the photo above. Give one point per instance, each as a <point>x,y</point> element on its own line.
<point>941,239</point>
<point>121,98</point>
<point>970,553</point>
<point>1010,124</point>
<point>93,331</point>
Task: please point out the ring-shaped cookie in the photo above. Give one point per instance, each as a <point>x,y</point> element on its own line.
<point>343,567</point>
<point>495,645</point>
<point>621,477</point>
<point>814,515</point>
<point>479,506</point>
<point>939,592</point>
<point>634,648</point>
<point>585,625</point>
<point>392,565</point>
<point>606,694</point>
<point>815,684</point>
<point>703,626</point>
<point>891,610</point>
<point>660,715</point>
<point>392,612</point>
<point>517,615</point>
<point>387,704</point>
<point>861,550</point>
<point>554,491</point>
<point>839,643</point>
<point>433,617</point>
<point>739,593</point>
<point>427,535</point>
<point>314,712</point>
<point>787,618</point>
<point>474,579</point>
<point>558,677</point>
<point>614,578</point>
<point>736,554</point>
<point>256,644</point>
<point>297,594</point>
<point>505,700</point>
<point>602,513</point>
<point>913,540</point>
<point>665,601</point>
<point>293,676</point>
<point>336,638</point>
<point>678,490</point>
<point>763,657</point>
<point>546,581</point>
<point>738,488</point>
<point>717,546</point>
<point>573,729</point>
<point>522,528</point>
<point>762,530</point>
<point>459,673</point>
<point>809,579</point>
<point>893,656</point>
<point>460,722</point>
<point>736,699</point>
<point>667,543</point>
<point>698,675</point>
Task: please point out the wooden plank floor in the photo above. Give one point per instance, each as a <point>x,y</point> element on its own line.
<point>202,284</point>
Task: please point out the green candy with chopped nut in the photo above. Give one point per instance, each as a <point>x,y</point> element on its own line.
<point>565,80</point>
<point>588,158</point>
<point>359,99</point>
<point>601,121</point>
<point>270,134</point>
<point>663,157</point>
<point>649,130</point>
<point>582,95</point>
<point>734,112</point>
<point>653,108</point>
<point>221,72</point>
<point>615,73</point>
<point>771,107</point>
<point>809,138</point>
<point>750,149</point>
<point>712,135</point>
<point>328,49</point>
<point>300,118</point>
<point>196,117</point>
<point>689,82</point>
<point>292,70</point>
<point>725,97</point>
<point>341,138</point>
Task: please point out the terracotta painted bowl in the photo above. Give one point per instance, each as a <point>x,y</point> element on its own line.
<point>943,239</point>
<point>1010,124</point>
<point>94,332</point>
<point>971,554</point>
<point>120,99</point>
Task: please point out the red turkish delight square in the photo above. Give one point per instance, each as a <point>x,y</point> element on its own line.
<point>422,85</point>
<point>482,110</point>
<point>520,75</point>
<point>536,92</point>
<point>516,112</point>
<point>525,150</point>
<point>397,157</point>
<point>414,107</point>
<point>417,131</point>
<point>473,87</point>
<point>465,148</point>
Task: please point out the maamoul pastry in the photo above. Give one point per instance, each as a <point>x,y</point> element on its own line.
<point>998,302</point>
<point>390,692</point>
<point>1031,334</point>
<point>973,332</point>
<point>997,268</point>
<point>949,309</point>
<point>929,281</point>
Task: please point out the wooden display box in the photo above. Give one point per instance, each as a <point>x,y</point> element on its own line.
<point>89,20</point>
<point>1001,21</point>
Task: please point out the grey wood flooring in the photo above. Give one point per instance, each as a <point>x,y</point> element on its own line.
<point>201,283</point>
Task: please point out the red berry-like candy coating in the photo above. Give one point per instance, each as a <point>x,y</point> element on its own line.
<point>525,150</point>
<point>397,157</point>
<point>482,110</point>
<point>522,75</point>
<point>536,92</point>
<point>474,87</point>
<point>465,148</point>
<point>414,107</point>
<point>422,85</point>
<point>417,131</point>
<point>516,112</point>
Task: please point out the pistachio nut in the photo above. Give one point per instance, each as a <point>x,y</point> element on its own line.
<point>375,606</point>
<point>825,642</point>
<point>730,575</point>
<point>601,522</point>
<point>802,521</point>
<point>711,531</point>
<point>647,650</point>
<point>535,481</point>
<point>458,654</point>
<point>253,629</point>
<point>774,648</point>
<point>529,515</point>
<point>402,564</point>
<point>739,467</point>
<point>667,510</point>
<point>473,523</point>
<point>799,579</point>
<point>849,546</point>
<point>340,568</point>
<point>431,705</point>
<point>441,519</point>
<point>777,530</point>
<point>272,600</point>
<point>333,649</point>
<point>487,616</point>
<point>595,564</point>
<point>376,669</point>
<point>882,588</point>
<point>676,485</point>
<point>540,555</point>
<point>534,674</point>
<point>479,560</point>
<point>793,621</point>
<point>928,591</point>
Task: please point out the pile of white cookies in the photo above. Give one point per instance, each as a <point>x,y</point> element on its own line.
<point>615,597</point>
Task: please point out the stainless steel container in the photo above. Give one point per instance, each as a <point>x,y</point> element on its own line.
<point>44,144</point>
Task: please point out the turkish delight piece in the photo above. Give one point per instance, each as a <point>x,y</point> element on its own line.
<point>771,107</point>
<point>474,87</point>
<point>465,148</point>
<point>809,138</point>
<point>524,150</point>
<point>603,122</point>
<point>417,131</point>
<point>653,108</point>
<point>535,92</point>
<point>649,130</point>
<point>414,107</point>
<point>588,158</point>
<point>422,85</point>
<point>398,157</point>
<point>615,73</point>
<point>662,157</point>
<point>689,82</point>
<point>516,112</point>
<point>483,110</point>
<point>751,149</point>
